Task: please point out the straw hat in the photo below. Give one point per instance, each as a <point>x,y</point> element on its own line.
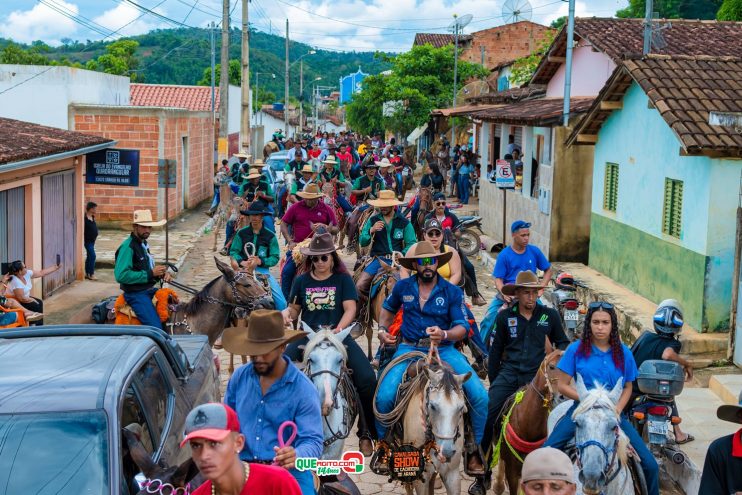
<point>307,169</point>
<point>265,332</point>
<point>384,163</point>
<point>252,175</point>
<point>386,198</point>
<point>525,280</point>
<point>320,244</point>
<point>310,191</point>
<point>423,249</point>
<point>330,159</point>
<point>144,218</point>
<point>242,155</point>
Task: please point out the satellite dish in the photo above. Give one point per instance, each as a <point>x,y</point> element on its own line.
<point>516,11</point>
<point>460,22</point>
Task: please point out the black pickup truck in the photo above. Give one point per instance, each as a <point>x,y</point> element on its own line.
<point>67,391</point>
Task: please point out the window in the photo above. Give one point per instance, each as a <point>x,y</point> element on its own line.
<point>610,189</point>
<point>672,210</point>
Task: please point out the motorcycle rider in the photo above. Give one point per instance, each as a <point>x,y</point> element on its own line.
<point>665,344</point>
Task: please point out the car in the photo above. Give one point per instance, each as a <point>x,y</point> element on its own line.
<point>67,391</point>
<point>274,170</point>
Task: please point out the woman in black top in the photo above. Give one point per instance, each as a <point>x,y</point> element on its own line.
<point>89,236</point>
<point>325,295</point>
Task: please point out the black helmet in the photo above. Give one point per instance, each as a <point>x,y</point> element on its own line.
<point>668,319</point>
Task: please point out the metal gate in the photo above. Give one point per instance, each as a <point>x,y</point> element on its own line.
<point>12,224</point>
<point>59,228</point>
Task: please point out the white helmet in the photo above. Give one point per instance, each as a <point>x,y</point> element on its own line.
<point>668,319</point>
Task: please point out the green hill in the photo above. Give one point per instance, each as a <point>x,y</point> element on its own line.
<point>179,56</point>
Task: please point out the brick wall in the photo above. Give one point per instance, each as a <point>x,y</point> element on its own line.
<point>505,43</point>
<point>156,133</point>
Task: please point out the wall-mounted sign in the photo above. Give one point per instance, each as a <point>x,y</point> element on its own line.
<point>166,171</point>
<point>112,167</point>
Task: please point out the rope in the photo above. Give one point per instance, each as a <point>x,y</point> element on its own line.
<point>405,391</point>
<point>517,399</point>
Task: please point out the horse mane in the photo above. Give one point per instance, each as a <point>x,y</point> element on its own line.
<point>448,382</point>
<point>321,336</point>
<point>598,398</point>
<point>200,299</point>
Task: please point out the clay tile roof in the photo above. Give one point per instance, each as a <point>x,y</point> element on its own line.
<point>196,98</point>
<point>689,89</point>
<point>278,114</point>
<point>536,112</point>
<point>509,95</point>
<point>24,140</point>
<point>618,38</point>
<point>438,40</point>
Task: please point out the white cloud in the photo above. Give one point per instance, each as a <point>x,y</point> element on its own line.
<point>123,14</point>
<point>40,23</point>
<point>581,10</point>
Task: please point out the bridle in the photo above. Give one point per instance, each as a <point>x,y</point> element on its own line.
<point>609,453</point>
<point>548,398</point>
<point>430,435</point>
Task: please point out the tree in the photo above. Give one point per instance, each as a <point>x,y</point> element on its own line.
<point>524,67</point>
<point>420,80</point>
<point>559,22</point>
<point>235,74</point>
<point>673,9</point>
<point>730,10</point>
<point>119,59</point>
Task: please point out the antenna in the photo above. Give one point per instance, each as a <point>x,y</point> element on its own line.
<point>461,22</point>
<point>516,11</point>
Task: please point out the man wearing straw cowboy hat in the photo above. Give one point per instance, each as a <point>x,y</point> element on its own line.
<point>258,190</point>
<point>135,269</point>
<point>387,231</point>
<point>269,391</point>
<point>240,167</point>
<point>433,314</point>
<point>306,178</point>
<point>331,173</point>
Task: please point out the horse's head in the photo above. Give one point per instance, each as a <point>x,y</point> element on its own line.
<point>155,477</point>
<point>545,382</point>
<point>242,288</point>
<point>328,189</point>
<point>598,436</point>
<point>324,362</point>
<point>444,405</point>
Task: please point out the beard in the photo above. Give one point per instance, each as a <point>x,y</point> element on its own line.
<point>427,275</point>
<point>264,369</point>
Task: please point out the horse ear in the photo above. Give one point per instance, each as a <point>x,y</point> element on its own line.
<point>615,394</point>
<point>344,333</point>
<point>225,269</point>
<point>580,386</point>
<point>460,379</point>
<point>139,454</point>
<point>181,475</point>
<point>307,328</point>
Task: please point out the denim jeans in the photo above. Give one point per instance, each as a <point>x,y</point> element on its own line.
<point>269,223</point>
<point>278,300</point>
<point>287,275</point>
<point>564,432</point>
<point>141,303</point>
<point>488,322</point>
<point>464,188</point>
<point>305,480</point>
<point>215,202</point>
<point>90,259</point>
<point>474,390</point>
<point>229,232</point>
<point>344,203</point>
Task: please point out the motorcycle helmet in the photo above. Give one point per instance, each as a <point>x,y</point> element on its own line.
<point>668,319</point>
<point>565,279</point>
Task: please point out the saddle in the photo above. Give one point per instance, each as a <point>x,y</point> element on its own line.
<point>355,223</point>
<point>163,301</point>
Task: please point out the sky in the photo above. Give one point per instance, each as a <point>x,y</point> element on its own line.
<point>360,25</point>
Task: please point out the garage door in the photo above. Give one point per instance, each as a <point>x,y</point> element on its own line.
<point>13,214</point>
<point>59,227</point>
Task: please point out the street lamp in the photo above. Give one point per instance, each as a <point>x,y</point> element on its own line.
<point>301,86</point>
<point>315,112</point>
<point>257,92</point>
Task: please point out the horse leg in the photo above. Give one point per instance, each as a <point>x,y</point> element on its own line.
<point>231,364</point>
<point>512,473</point>
<point>499,486</point>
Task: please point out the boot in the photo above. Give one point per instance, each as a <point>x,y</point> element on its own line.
<point>478,300</point>
<point>364,287</point>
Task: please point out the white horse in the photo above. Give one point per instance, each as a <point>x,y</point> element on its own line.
<point>438,411</point>
<point>325,359</point>
<point>602,448</point>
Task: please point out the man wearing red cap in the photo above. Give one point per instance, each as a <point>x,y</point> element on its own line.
<point>213,432</point>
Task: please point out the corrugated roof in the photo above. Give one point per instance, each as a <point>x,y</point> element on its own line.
<point>21,141</point>
<point>196,98</point>
<point>684,90</point>
<point>620,37</point>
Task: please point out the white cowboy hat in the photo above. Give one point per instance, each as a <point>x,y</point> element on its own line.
<point>383,163</point>
<point>242,155</point>
<point>386,198</point>
<point>330,159</point>
<point>144,218</point>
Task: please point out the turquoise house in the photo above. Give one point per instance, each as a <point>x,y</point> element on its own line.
<point>666,182</point>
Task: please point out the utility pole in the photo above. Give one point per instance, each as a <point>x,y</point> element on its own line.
<point>648,27</point>
<point>213,82</point>
<point>245,82</point>
<point>286,87</point>
<point>301,94</point>
<point>455,75</point>
<point>568,71</point>
<point>224,85</point>
<point>481,48</point>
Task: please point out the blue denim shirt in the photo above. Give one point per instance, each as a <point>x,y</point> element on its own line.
<point>292,397</point>
<point>444,308</point>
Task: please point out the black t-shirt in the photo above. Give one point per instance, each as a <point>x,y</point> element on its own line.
<point>722,472</point>
<point>650,345</point>
<point>321,301</point>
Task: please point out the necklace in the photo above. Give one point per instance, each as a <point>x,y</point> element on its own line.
<point>247,475</point>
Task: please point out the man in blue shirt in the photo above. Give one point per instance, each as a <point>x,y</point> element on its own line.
<point>433,312</point>
<point>270,390</point>
<point>519,256</point>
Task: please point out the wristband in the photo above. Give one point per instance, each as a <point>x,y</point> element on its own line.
<point>383,328</point>
<point>445,334</point>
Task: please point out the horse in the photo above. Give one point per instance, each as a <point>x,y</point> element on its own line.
<point>325,359</point>
<point>386,280</point>
<point>426,206</point>
<point>211,308</point>
<point>602,448</point>
<point>330,190</point>
<point>525,427</point>
<point>269,148</point>
<point>353,228</point>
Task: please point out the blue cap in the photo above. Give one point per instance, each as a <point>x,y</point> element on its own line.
<point>519,224</point>
<point>439,195</point>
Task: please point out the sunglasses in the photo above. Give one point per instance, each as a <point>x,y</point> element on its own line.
<point>600,305</point>
<point>426,261</point>
<point>434,233</point>
<point>322,258</point>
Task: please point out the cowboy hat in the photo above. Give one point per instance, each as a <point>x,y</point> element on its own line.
<point>731,413</point>
<point>310,191</point>
<point>371,165</point>
<point>265,332</point>
<point>257,207</point>
<point>423,249</point>
<point>320,244</point>
<point>383,163</point>
<point>252,175</point>
<point>386,198</point>
<point>307,169</point>
<point>242,155</point>
<point>144,218</point>
<point>330,159</point>
<point>525,280</point>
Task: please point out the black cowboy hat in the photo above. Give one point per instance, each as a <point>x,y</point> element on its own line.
<point>257,207</point>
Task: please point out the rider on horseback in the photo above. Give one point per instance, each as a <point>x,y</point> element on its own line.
<point>301,182</point>
<point>387,231</point>
<point>433,314</point>
<point>367,186</point>
<point>256,189</point>
<point>239,167</point>
<point>265,251</point>
<point>331,173</point>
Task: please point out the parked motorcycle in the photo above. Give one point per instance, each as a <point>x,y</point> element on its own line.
<point>651,413</point>
<point>470,229</point>
<point>563,298</point>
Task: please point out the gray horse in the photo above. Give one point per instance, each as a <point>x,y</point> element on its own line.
<point>602,448</point>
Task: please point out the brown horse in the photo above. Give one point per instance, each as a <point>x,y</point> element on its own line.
<point>330,190</point>
<point>426,206</point>
<point>270,147</point>
<point>527,425</point>
<point>389,276</point>
<point>210,310</point>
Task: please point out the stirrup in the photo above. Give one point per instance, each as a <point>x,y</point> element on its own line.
<point>379,463</point>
